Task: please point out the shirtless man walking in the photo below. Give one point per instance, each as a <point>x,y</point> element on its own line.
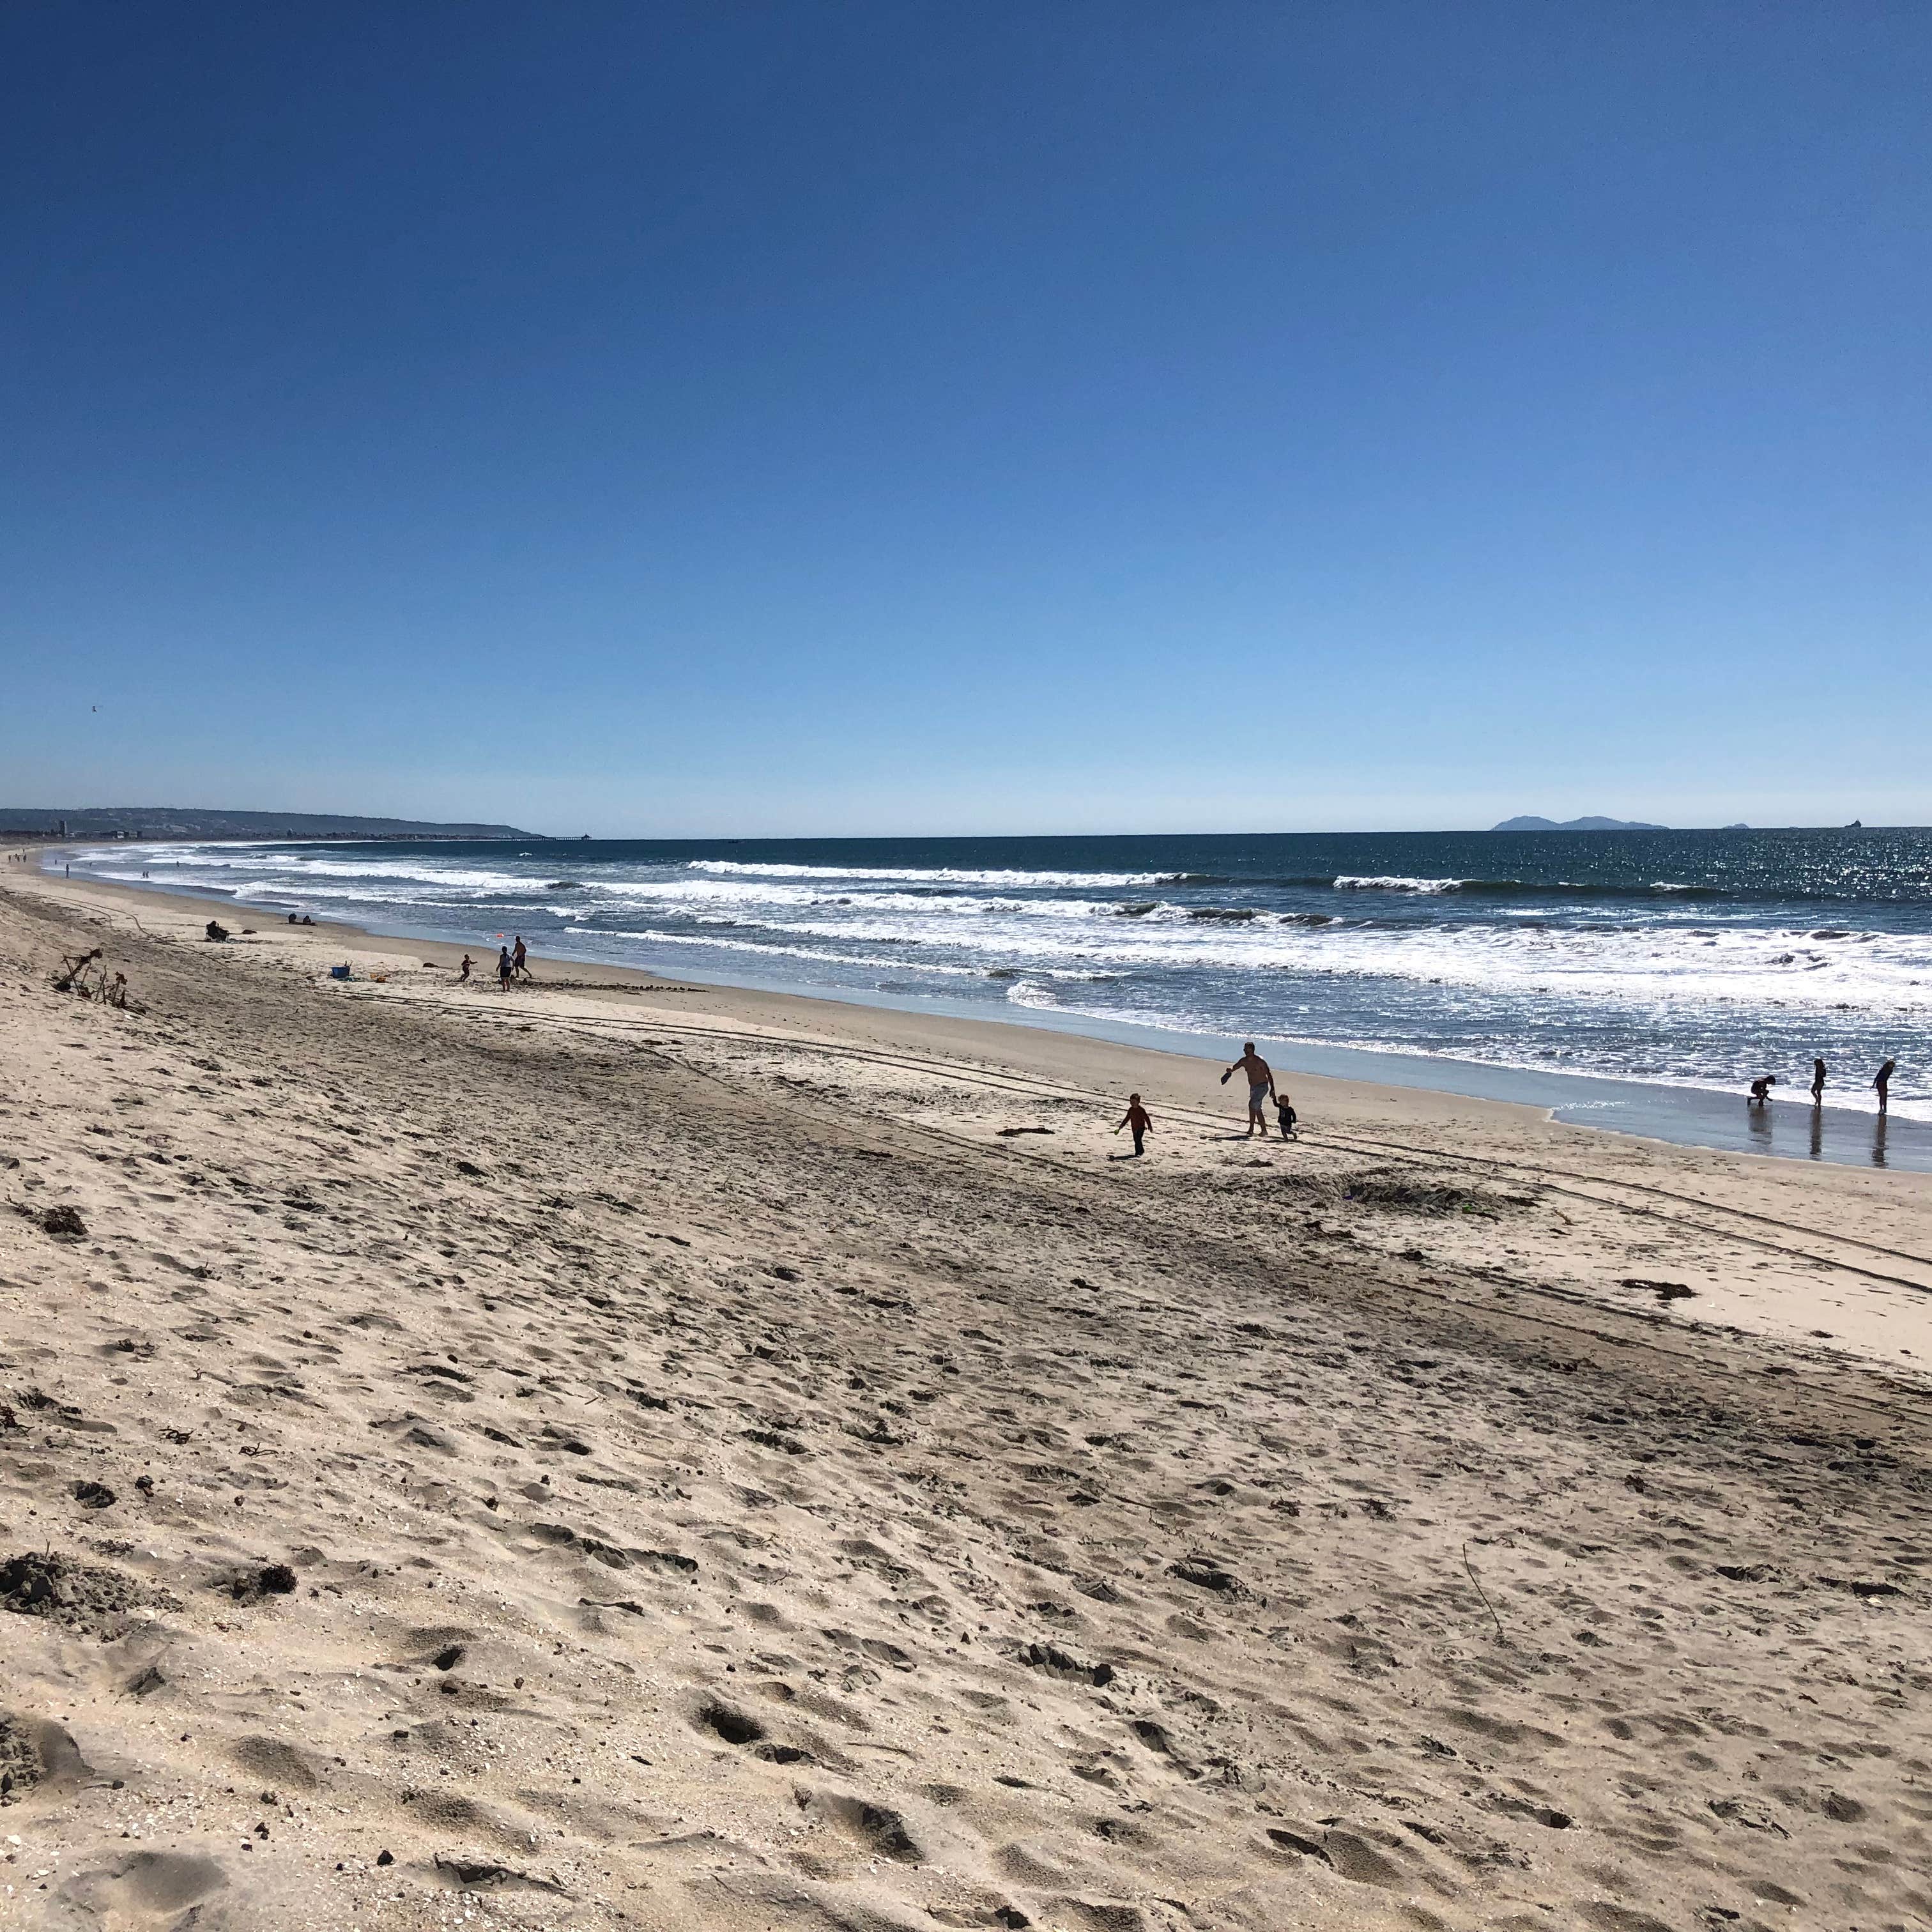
<point>1261,1088</point>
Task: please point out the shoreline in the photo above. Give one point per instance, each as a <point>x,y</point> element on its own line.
<point>1787,1129</point>
<point>1852,1219</point>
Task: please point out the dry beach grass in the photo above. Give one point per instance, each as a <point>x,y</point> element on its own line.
<point>638,1458</point>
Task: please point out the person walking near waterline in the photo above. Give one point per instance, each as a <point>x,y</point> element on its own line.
<point>1261,1088</point>
<point>1882,1081</point>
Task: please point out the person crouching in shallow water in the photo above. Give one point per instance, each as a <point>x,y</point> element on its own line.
<point>1761,1088</point>
<point>1137,1118</point>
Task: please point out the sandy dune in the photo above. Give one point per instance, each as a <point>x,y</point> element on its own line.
<point>583,1459</point>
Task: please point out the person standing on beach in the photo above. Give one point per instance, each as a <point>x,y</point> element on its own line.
<point>1137,1118</point>
<point>1818,1072</point>
<point>1882,1081</point>
<point>463,978</point>
<point>1261,1088</point>
<point>520,958</point>
<point>503,967</point>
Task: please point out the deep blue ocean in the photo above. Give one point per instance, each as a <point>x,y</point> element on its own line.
<point>1696,959</point>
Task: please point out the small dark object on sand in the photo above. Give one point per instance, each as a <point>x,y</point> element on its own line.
<point>250,1586</point>
<point>64,1224</point>
<point>1664,1290</point>
<point>215,930</point>
<point>473,1874</point>
<point>1205,1573</point>
<point>94,1495</point>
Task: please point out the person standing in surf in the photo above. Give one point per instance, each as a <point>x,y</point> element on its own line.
<point>1881,1082</point>
<point>1818,1072</point>
<point>1261,1088</point>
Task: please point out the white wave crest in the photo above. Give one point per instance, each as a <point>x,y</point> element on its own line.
<point>907,964</point>
<point>1029,993</point>
<point>1350,882</point>
<point>943,875</point>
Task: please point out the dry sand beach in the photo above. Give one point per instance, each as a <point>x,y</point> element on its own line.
<point>636,1455</point>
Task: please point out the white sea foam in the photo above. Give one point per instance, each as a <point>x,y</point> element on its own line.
<point>1029,993</point>
<point>1661,983</point>
<point>945,875</point>
<point>295,871</point>
<point>900,965</point>
<point>1619,964</point>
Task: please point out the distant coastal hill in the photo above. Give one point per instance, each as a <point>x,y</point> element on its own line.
<point>1534,824</point>
<point>176,821</point>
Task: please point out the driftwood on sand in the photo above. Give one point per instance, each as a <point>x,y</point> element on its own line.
<point>86,974</point>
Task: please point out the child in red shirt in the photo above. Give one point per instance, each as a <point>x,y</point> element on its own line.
<point>1137,1118</point>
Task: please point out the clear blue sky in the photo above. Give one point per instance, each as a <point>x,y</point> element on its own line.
<point>715,418</point>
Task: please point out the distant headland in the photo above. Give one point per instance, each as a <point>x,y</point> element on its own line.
<point>1531,823</point>
<point>176,821</point>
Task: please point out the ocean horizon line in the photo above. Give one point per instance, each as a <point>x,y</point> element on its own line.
<point>384,827</point>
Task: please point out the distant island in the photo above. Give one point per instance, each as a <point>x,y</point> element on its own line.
<point>177,821</point>
<point>1535,824</point>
